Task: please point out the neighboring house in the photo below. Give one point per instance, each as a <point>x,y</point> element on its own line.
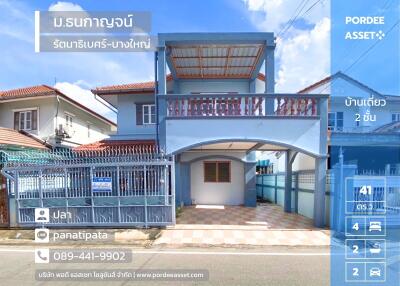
<point>214,111</point>
<point>49,115</point>
<point>370,144</point>
<point>13,140</point>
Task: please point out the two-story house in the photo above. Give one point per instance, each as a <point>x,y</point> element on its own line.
<point>363,124</point>
<point>213,111</point>
<point>51,116</point>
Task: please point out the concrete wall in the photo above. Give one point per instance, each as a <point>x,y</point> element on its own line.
<point>217,193</point>
<point>301,162</point>
<point>192,186</point>
<point>229,85</point>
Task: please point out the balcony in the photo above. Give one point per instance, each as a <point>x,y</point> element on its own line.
<point>289,120</point>
<point>242,105</point>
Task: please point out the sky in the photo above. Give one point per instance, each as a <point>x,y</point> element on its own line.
<point>302,53</point>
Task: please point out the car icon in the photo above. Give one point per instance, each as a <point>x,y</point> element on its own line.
<point>375,226</point>
<point>375,271</point>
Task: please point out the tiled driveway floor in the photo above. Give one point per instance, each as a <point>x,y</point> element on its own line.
<point>265,225</point>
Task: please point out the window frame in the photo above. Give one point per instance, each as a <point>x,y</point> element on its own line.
<point>335,126</point>
<point>25,110</point>
<point>25,121</point>
<point>395,116</point>
<point>69,124</point>
<point>217,179</point>
<point>149,115</point>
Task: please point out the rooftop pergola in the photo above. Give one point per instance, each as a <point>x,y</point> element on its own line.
<point>215,61</point>
<point>215,56</point>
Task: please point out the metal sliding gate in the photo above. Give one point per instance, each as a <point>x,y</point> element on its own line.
<point>114,187</point>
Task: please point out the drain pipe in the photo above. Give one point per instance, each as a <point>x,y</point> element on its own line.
<point>156,98</point>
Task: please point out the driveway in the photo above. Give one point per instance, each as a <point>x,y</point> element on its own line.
<point>267,224</point>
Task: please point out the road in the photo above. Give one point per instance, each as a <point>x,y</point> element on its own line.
<point>226,266</point>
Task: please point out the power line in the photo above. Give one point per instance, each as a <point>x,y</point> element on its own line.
<point>302,4</point>
<point>372,46</point>
<point>360,58</point>
<point>355,44</point>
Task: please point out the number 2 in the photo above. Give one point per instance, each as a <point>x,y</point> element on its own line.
<point>355,271</point>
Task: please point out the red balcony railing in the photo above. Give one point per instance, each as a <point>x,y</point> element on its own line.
<point>246,105</point>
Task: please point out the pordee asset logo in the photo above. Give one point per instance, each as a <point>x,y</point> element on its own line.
<point>365,35</point>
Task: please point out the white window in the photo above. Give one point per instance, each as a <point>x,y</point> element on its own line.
<point>25,120</point>
<point>88,130</point>
<point>395,117</point>
<point>149,114</point>
<point>335,121</point>
<point>68,121</point>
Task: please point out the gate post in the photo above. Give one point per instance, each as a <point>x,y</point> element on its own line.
<point>40,188</point>
<point>145,195</point>
<point>119,196</point>
<point>173,190</point>
<point>319,192</point>
<point>91,193</point>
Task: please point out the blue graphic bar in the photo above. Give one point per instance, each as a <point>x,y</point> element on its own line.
<point>364,143</point>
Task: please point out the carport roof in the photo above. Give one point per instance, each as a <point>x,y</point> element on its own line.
<point>241,146</point>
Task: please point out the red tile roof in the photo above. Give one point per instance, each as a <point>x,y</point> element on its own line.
<point>45,90</point>
<point>11,137</point>
<point>138,87</point>
<point>30,91</point>
<point>109,144</point>
<point>315,85</point>
<point>333,77</point>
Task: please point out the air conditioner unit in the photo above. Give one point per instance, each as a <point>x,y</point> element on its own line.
<point>62,131</point>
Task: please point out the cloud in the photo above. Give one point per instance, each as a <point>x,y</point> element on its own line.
<point>302,54</point>
<point>304,58</point>
<point>65,6</point>
<point>84,97</point>
<point>14,22</point>
<point>25,67</point>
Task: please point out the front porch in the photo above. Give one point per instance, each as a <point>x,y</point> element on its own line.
<point>263,217</point>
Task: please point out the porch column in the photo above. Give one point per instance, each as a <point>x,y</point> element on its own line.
<point>321,165</point>
<point>162,90</point>
<point>250,194</point>
<point>270,78</point>
<point>289,158</point>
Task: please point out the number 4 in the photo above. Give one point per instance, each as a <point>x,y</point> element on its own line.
<point>356,226</point>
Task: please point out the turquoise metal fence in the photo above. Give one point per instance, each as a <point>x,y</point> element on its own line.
<point>111,187</point>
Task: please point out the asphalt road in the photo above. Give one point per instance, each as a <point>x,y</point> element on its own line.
<point>267,266</point>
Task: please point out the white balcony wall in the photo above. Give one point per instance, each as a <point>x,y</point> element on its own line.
<point>303,134</point>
